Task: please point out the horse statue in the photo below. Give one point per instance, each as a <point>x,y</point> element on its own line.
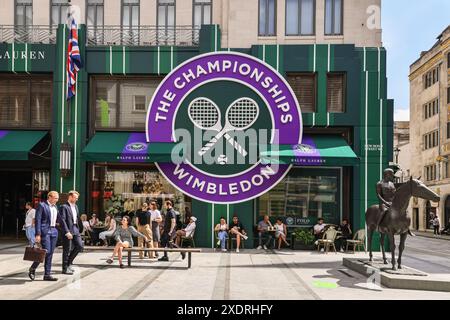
<point>396,220</point>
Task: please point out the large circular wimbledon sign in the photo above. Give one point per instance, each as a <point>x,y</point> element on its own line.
<point>236,102</point>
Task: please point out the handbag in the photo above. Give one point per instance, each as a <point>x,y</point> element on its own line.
<point>34,254</point>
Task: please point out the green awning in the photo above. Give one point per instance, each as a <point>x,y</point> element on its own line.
<point>317,150</point>
<point>16,145</point>
<point>125,147</point>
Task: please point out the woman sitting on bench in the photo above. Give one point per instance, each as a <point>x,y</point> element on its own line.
<point>124,237</point>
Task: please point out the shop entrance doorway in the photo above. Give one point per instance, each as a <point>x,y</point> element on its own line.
<point>15,191</point>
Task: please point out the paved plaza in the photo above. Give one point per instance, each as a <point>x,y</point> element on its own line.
<point>250,274</point>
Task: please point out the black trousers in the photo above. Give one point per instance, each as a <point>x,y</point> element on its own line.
<point>436,230</point>
<point>70,249</point>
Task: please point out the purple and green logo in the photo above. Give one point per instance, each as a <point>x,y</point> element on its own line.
<point>224,108</point>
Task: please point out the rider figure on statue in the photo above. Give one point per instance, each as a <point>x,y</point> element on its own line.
<point>385,193</point>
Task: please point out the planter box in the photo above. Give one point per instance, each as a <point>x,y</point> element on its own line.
<point>300,245</point>
<point>297,245</point>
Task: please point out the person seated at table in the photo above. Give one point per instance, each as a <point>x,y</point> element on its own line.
<point>222,233</point>
<point>281,233</point>
<point>319,229</point>
<point>94,220</point>
<point>345,234</point>
<point>263,230</point>
<point>85,223</point>
<point>110,224</point>
<point>124,237</point>
<point>237,230</point>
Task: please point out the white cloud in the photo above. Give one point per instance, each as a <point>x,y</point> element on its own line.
<point>401,115</point>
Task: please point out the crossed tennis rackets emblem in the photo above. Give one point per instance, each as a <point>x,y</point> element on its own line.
<point>239,116</point>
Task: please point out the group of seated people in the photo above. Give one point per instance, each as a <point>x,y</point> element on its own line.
<point>265,229</point>
<point>320,228</point>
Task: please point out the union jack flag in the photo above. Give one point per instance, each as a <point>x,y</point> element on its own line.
<point>73,60</point>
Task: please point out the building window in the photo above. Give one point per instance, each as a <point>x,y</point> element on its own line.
<point>139,103</point>
<point>431,109</point>
<point>431,77</point>
<point>202,12</point>
<point>25,102</point>
<point>58,13</point>
<point>431,140</point>
<point>166,21</point>
<point>121,190</point>
<point>446,170</point>
<point>119,104</point>
<point>448,95</point>
<point>267,17</point>
<point>130,22</point>
<point>300,17</point>
<point>430,172</point>
<point>24,13</point>
<point>304,86</point>
<point>333,17</point>
<point>304,195</point>
<point>336,93</point>
<point>448,130</point>
<point>94,14</point>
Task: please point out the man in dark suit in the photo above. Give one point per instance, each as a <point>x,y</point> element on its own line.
<point>46,233</point>
<point>71,238</point>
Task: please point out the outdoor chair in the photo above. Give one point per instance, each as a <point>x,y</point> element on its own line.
<point>357,241</point>
<point>232,238</point>
<point>190,240</point>
<point>327,240</point>
<point>86,237</point>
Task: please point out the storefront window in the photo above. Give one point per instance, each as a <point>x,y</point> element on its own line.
<point>123,191</point>
<point>303,196</point>
<point>25,102</point>
<point>123,104</point>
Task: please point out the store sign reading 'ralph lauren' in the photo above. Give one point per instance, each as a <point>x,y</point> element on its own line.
<point>224,94</point>
<point>18,55</point>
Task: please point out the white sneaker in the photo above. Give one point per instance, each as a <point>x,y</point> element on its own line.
<point>224,250</point>
<point>259,248</point>
<point>245,237</point>
<point>265,247</point>
<point>237,250</point>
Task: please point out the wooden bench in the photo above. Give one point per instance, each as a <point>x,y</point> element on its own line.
<point>137,249</point>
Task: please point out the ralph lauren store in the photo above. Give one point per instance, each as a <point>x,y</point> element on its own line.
<point>315,124</point>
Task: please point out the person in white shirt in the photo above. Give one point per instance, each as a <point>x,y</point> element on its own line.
<point>156,219</point>
<point>85,223</point>
<point>186,232</point>
<point>280,233</point>
<point>319,229</point>
<point>30,223</point>
<point>46,233</point>
<point>71,240</point>
<point>110,223</point>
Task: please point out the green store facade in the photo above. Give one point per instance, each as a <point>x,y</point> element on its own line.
<point>48,143</point>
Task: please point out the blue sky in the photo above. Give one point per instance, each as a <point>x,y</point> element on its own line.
<point>409,27</point>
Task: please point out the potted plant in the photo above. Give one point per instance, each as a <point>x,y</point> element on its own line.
<point>302,239</point>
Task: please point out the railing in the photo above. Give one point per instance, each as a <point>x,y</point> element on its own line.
<point>143,36</point>
<point>28,34</point>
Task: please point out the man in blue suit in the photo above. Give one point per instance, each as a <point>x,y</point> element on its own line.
<point>46,233</point>
<point>71,238</point>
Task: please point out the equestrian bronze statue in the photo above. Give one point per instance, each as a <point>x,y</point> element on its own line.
<point>391,217</point>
